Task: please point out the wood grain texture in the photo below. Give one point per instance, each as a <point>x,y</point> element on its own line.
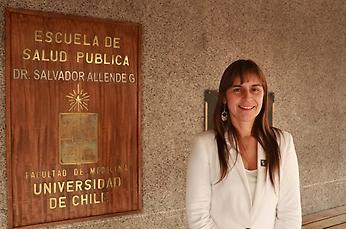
<point>327,223</point>
<point>8,115</point>
<point>330,218</point>
<point>33,108</point>
<point>329,213</point>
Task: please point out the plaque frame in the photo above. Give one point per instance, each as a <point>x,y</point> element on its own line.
<point>8,103</point>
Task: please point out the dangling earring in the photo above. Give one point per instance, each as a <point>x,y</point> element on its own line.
<point>224,115</point>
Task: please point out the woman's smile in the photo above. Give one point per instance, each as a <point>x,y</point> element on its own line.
<point>247,107</point>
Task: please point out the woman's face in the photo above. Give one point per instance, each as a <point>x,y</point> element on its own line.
<point>244,100</point>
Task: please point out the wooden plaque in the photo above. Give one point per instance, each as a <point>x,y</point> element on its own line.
<point>73,117</point>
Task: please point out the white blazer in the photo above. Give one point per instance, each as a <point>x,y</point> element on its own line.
<point>228,204</point>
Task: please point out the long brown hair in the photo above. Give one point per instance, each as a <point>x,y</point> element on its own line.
<point>261,130</point>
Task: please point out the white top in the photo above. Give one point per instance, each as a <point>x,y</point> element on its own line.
<point>252,180</point>
<point>227,204</point>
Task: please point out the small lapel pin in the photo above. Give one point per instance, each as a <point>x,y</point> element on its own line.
<point>264,163</point>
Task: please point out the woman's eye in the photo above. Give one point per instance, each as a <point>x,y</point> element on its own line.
<point>236,90</point>
<point>256,89</point>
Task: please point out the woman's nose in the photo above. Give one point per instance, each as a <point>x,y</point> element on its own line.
<point>246,93</point>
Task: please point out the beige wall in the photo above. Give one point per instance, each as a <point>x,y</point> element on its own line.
<point>301,46</point>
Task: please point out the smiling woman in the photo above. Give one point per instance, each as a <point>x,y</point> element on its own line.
<point>244,99</point>
<point>244,172</point>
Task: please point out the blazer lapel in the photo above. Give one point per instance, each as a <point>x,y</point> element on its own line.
<point>261,174</point>
<point>261,178</point>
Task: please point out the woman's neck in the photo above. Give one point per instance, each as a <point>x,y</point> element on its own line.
<point>244,129</point>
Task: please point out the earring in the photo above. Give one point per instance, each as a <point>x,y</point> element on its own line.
<point>224,115</point>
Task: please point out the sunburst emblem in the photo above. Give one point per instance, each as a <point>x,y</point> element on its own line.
<point>78,99</point>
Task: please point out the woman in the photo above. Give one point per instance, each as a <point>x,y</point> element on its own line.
<point>244,173</point>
